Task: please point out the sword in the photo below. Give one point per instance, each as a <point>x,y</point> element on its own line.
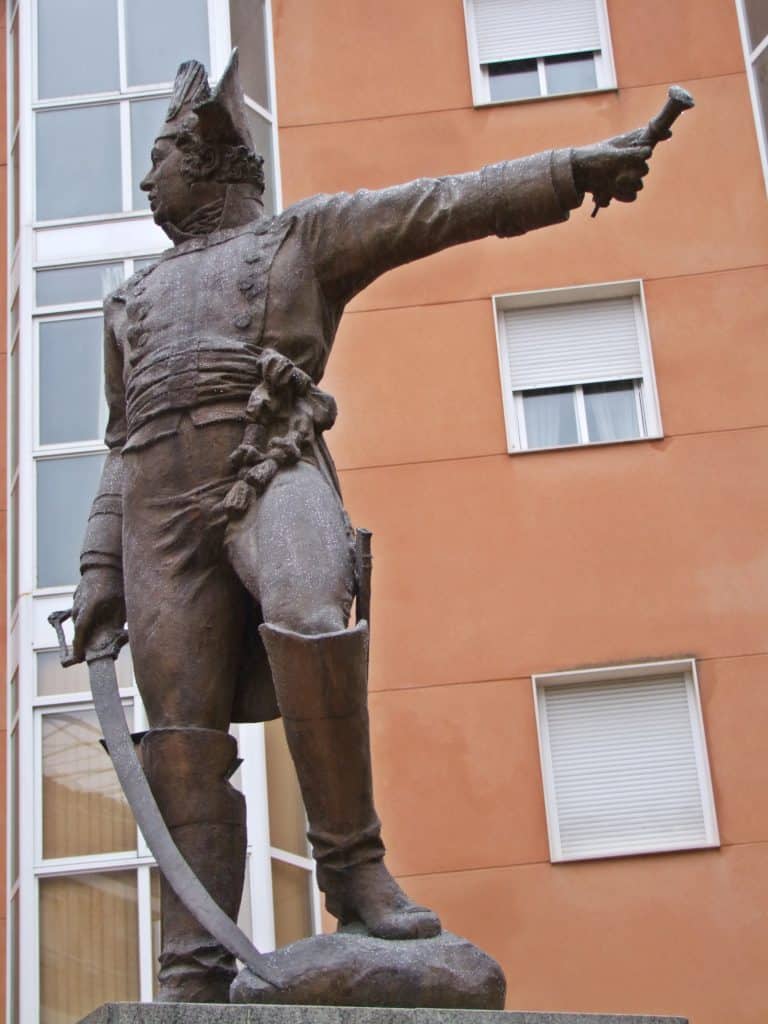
<point>120,747</point>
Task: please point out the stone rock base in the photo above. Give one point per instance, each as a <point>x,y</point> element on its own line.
<point>208,1013</point>
<point>350,968</point>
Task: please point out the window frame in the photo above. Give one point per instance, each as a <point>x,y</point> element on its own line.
<point>646,395</point>
<point>605,71</point>
<point>683,667</point>
<point>751,55</point>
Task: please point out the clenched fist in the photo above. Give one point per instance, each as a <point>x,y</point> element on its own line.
<point>98,610</point>
<point>614,168</point>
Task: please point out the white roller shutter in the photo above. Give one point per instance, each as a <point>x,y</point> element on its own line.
<point>623,765</point>
<point>516,29</point>
<point>572,343</point>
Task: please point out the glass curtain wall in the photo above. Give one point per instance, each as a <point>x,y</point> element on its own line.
<point>88,84</point>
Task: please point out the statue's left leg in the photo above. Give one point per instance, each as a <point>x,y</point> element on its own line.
<point>293,552</point>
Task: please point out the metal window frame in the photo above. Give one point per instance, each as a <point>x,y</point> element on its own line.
<point>684,668</point>
<point>646,394</point>
<point>751,55</point>
<point>605,71</point>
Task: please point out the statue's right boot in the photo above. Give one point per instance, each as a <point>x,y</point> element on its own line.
<point>188,771</point>
<point>321,682</point>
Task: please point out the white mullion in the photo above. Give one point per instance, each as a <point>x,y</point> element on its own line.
<point>296,860</point>
<point>95,863</point>
<point>66,700</point>
<point>604,66</point>
<point>257,107</point>
<point>125,156</point>
<point>762,45</point>
<point>268,35</point>
<point>581,414</point>
<point>543,86</point>
<point>254,776</point>
<point>144,908</point>
<point>122,58</point>
<point>637,388</point>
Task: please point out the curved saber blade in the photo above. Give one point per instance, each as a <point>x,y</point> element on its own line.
<point>178,874</point>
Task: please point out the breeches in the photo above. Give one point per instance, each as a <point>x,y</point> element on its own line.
<point>197,584</point>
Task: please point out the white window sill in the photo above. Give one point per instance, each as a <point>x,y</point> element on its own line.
<point>479,104</point>
<point>585,444</point>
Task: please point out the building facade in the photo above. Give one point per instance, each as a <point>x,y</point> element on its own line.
<point>559,442</point>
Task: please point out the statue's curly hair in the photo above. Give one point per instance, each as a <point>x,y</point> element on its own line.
<point>232,164</point>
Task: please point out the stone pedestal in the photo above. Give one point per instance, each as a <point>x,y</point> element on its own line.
<point>207,1013</point>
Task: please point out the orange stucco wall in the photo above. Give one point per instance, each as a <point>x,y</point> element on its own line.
<point>490,567</point>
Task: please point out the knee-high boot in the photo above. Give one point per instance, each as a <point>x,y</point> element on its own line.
<point>188,770</point>
<point>321,686</point>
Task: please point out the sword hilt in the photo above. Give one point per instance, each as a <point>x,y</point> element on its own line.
<point>110,648</point>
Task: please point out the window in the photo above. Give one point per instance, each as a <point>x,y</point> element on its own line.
<point>624,761</point>
<point>754,33</point>
<point>523,49</point>
<point>576,367</point>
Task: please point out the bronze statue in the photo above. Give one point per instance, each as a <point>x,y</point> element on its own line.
<point>218,529</point>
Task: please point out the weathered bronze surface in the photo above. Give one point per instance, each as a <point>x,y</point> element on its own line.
<point>218,530</point>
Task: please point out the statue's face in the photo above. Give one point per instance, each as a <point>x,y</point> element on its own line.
<point>173,199</point>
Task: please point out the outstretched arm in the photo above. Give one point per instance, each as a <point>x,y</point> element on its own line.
<point>98,609</point>
<point>356,237</point>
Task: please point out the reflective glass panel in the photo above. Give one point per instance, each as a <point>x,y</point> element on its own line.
<point>53,679</point>
<point>14,570</point>
<point>89,944</point>
<point>65,489</point>
<point>14,822</point>
<point>573,72</point>
<point>14,688</point>
<point>77,284</point>
<point>248,27</point>
<point>14,317</point>
<point>291,898</point>
<point>147,261</point>
<point>147,116</point>
<point>13,426</point>
<point>77,47</point>
<point>14,965</point>
<point>761,80</point>
<point>16,205</point>
<point>84,810</point>
<point>154,887</point>
<point>79,146</point>
<point>261,132</point>
<point>159,36</point>
<point>15,78</point>
<point>611,411</point>
<point>757,20</point>
<point>287,824</point>
<point>513,80</point>
<point>72,404</point>
<point>550,417</point>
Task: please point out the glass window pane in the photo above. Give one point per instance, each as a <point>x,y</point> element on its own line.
<point>14,965</point>
<point>13,426</point>
<point>154,888</point>
<point>287,824</point>
<point>761,81</point>
<point>78,162</point>
<point>757,20</point>
<point>248,28</point>
<point>261,132</point>
<point>76,47</point>
<point>14,317</point>
<point>84,810</point>
<point>89,944</point>
<point>65,489</point>
<point>72,404</point>
<point>550,417</point>
<point>159,36</point>
<point>147,261</point>
<point>14,822</point>
<point>574,72</point>
<point>291,898</point>
<point>611,411</point>
<point>513,80</point>
<point>14,688</point>
<point>16,205</point>
<point>77,284</point>
<point>14,572</point>
<point>147,117</point>
<point>15,78</point>
<point>53,679</point>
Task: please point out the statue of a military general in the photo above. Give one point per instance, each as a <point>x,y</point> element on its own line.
<point>218,531</point>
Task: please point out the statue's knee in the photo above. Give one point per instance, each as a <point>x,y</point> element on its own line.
<point>307,621</point>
